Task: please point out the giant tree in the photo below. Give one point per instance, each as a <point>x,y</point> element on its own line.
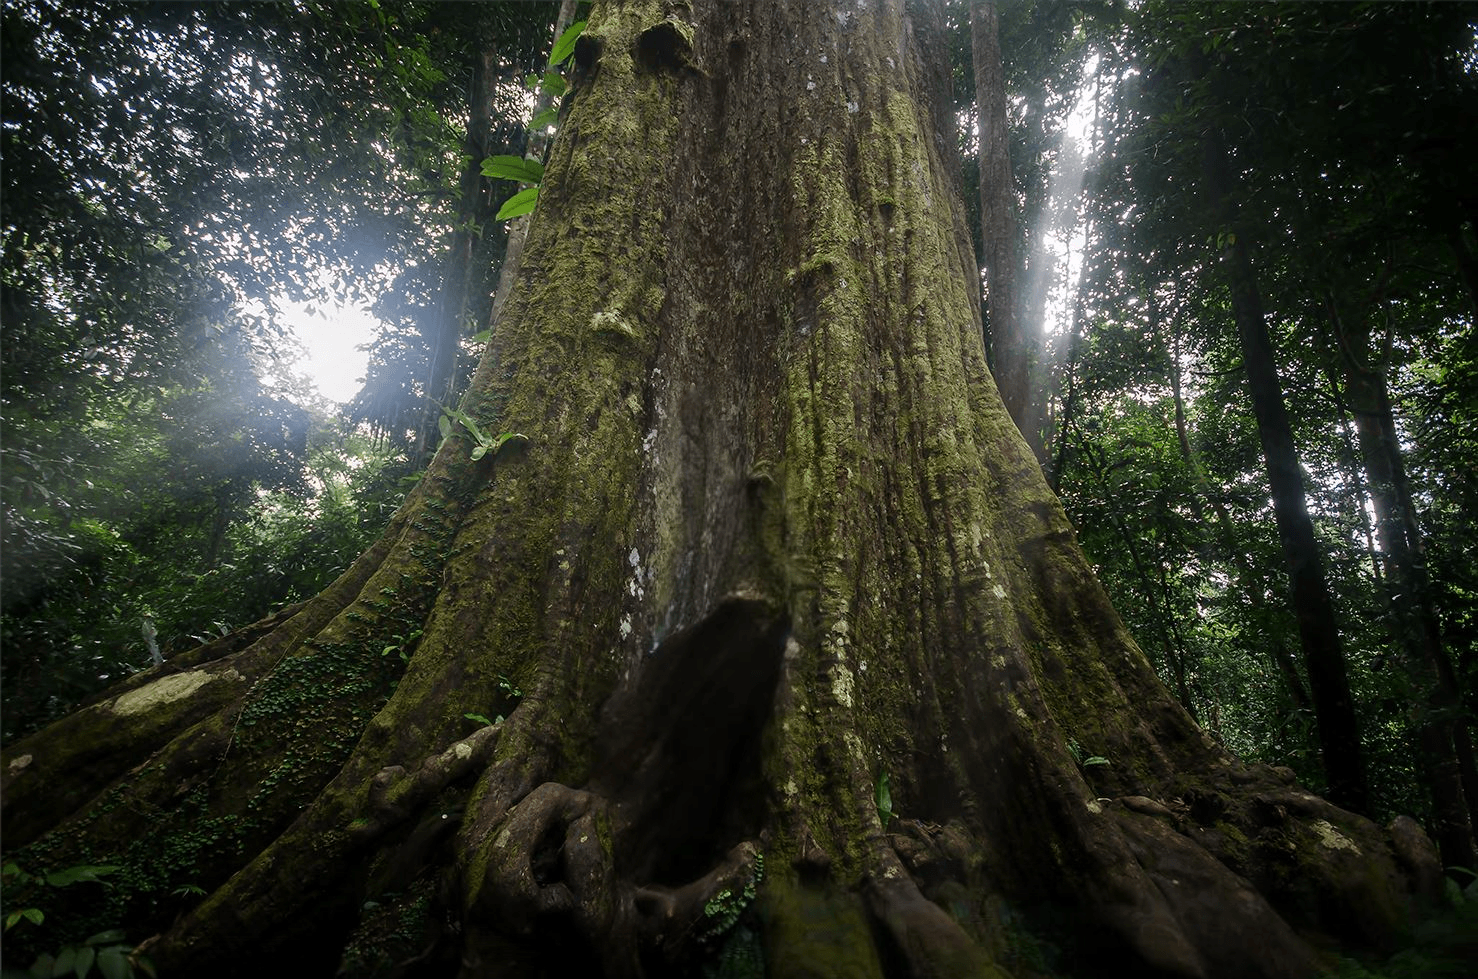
<point>733,623</point>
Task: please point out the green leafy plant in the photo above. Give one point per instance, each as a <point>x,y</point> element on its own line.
<point>1076,750</point>
<point>522,170</point>
<point>403,644</point>
<point>722,911</point>
<point>484,443</point>
<point>553,84</point>
<point>510,690</point>
<point>565,46</point>
<point>1457,894</point>
<point>884,799</point>
<point>106,950</point>
<point>14,876</point>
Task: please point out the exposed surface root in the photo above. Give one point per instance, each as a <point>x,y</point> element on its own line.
<point>550,872</point>
<point>396,794</point>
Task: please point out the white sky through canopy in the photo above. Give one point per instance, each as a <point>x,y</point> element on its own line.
<point>332,337</point>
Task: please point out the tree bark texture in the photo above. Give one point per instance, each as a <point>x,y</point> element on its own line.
<point>1318,629</point>
<point>791,660</point>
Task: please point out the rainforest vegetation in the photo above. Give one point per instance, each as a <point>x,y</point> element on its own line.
<point>779,418</point>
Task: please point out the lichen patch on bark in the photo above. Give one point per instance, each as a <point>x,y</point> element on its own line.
<point>163,691</point>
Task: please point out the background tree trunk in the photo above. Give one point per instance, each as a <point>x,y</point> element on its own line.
<point>464,301</point>
<point>791,658</point>
<point>1442,731</point>
<point>1329,685</point>
<point>1010,350</point>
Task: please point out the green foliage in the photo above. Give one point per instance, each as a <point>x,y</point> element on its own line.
<point>551,84</point>
<point>72,620</point>
<point>564,46</point>
<point>14,876</point>
<point>511,696</point>
<point>482,443</point>
<point>1348,201</point>
<point>513,168</point>
<point>1444,947</point>
<point>723,910</point>
<point>883,797</point>
<point>742,956</point>
<point>1090,761</point>
<point>105,950</point>
<point>403,645</point>
<point>519,204</point>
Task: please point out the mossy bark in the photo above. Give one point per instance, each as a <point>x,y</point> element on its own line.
<point>772,544</point>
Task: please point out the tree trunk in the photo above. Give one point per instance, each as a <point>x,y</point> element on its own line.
<point>1467,264</point>
<point>1329,685</point>
<point>463,300</point>
<point>1010,350</point>
<point>1441,733</point>
<point>1250,582</point>
<point>792,663</point>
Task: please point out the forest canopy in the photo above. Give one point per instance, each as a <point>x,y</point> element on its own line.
<point>1227,258</point>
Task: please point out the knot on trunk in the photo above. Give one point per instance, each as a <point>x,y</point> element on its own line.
<point>549,861</point>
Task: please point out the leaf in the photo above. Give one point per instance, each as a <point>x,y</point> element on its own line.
<point>520,203</point>
<point>482,336</point>
<point>104,937</point>
<point>466,421</point>
<point>554,83</point>
<point>66,959</point>
<point>478,451</point>
<point>1095,760</point>
<point>479,719</point>
<point>506,443</point>
<point>548,117</point>
<point>113,963</point>
<point>72,875</point>
<point>477,435</point>
<point>444,424</point>
<point>513,168</point>
<point>884,799</point>
<point>85,956</point>
<point>565,46</point>
<point>33,915</point>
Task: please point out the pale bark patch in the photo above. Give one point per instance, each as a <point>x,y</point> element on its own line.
<point>1332,838</point>
<point>163,691</point>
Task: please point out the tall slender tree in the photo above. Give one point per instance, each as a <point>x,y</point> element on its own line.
<point>1010,348</point>
<point>1329,685</point>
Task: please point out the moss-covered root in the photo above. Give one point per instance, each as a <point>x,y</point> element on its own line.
<point>924,936</point>
<point>1184,914</point>
<point>1249,883</point>
<point>547,878</point>
<point>59,770</point>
